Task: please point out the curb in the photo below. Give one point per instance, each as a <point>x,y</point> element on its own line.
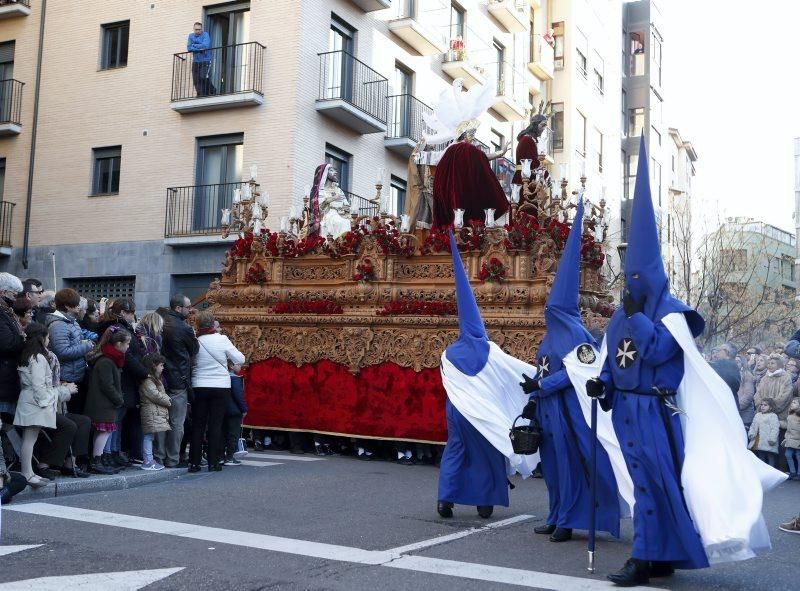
<point>72,486</point>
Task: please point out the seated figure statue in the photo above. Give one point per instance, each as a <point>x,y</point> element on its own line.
<point>327,204</point>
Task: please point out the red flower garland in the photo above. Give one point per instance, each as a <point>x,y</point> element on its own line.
<point>591,252</point>
<point>365,271</point>
<point>411,307</point>
<point>493,272</point>
<point>307,307</point>
<point>469,238</point>
<point>522,232</point>
<point>256,274</point>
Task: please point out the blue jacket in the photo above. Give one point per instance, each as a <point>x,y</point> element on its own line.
<point>199,45</point>
<point>236,404</point>
<point>66,341</point>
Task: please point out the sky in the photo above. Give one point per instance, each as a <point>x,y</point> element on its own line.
<point>731,81</point>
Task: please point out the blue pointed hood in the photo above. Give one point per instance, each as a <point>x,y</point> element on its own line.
<point>644,269</point>
<point>470,352</point>
<point>562,314</point>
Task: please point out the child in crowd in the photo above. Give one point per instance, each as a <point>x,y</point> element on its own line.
<point>792,440</point>
<point>764,433</point>
<point>235,411</point>
<point>105,392</point>
<point>154,410</point>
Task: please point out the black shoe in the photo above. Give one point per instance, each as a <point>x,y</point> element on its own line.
<point>97,467</point>
<point>485,511</point>
<point>117,460</point>
<point>562,534</point>
<point>48,473</point>
<point>660,569</point>
<point>215,468</point>
<point>193,468</point>
<point>108,462</point>
<point>635,572</point>
<point>445,509</point>
<point>537,473</point>
<point>544,529</point>
<point>74,472</point>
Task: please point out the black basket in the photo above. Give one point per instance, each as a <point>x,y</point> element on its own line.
<point>525,438</point>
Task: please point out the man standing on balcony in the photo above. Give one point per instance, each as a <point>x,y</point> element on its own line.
<point>199,44</point>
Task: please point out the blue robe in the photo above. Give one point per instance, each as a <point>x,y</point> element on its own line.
<point>565,451</point>
<point>472,471</point>
<point>643,354</point>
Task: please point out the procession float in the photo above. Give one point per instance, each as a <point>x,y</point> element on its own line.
<point>343,313</point>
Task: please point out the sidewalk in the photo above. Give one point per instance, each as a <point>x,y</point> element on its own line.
<point>128,478</point>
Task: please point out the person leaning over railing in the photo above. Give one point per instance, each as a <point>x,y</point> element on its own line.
<point>199,44</point>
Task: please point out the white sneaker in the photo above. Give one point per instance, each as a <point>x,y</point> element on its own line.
<point>152,466</point>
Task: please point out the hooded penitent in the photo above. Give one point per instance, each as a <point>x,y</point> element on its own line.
<point>483,399</point>
<point>566,446</point>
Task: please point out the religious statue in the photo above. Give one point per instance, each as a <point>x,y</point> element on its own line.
<point>528,140</point>
<point>419,196</point>
<point>464,178</point>
<point>327,204</point>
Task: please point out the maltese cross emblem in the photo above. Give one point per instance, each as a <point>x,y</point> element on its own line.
<point>544,365</point>
<point>626,353</point>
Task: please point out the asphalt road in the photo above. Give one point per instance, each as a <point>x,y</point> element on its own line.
<point>333,524</point>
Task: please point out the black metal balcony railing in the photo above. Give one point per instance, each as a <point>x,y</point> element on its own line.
<point>405,117</point>
<point>11,101</point>
<point>343,77</point>
<point>196,210</point>
<point>6,211</point>
<point>26,3</point>
<point>362,205</point>
<point>218,71</point>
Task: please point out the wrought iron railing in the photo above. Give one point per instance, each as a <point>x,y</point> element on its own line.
<point>11,101</point>
<point>26,3</point>
<point>405,117</point>
<point>218,71</point>
<point>343,77</point>
<point>195,210</point>
<point>361,205</point>
<point>6,214</point>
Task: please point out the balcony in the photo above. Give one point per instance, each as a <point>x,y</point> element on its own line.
<point>511,93</point>
<point>543,64</point>
<point>14,8</point>
<point>10,107</point>
<point>406,125</point>
<point>6,216</point>
<point>227,77</point>
<point>352,93</point>
<point>512,14</point>
<point>456,65</point>
<point>194,213</point>
<point>372,5</point>
<point>423,39</point>
<point>361,205</point>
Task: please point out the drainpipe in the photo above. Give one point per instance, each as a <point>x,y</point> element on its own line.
<point>32,157</point>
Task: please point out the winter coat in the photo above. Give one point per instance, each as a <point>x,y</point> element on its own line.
<point>66,341</point>
<point>792,432</point>
<point>747,390</point>
<point>179,346</point>
<point>38,399</point>
<point>765,428</point>
<point>105,392</point>
<point>11,342</point>
<point>778,388</point>
<point>236,403</point>
<point>134,372</point>
<point>154,408</point>
<point>211,363</point>
<point>728,371</point>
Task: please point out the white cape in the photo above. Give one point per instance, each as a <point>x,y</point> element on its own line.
<point>723,482</point>
<point>491,400</point>
<point>579,373</point>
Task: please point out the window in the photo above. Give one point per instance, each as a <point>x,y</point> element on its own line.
<point>397,195</point>
<point>655,56</point>
<point>532,39</point>
<point>580,133</point>
<point>558,45</point>
<point>624,101</point>
<point>598,149</point>
<point>558,126</point>
<point>193,287</point>
<point>339,64</point>
<point>636,121</point>
<point>500,56</point>
<point>105,178</point>
<point>655,173</point>
<point>636,44</point>
<point>633,160</point>
<point>656,135</point>
<point>737,256</point>
<point>339,160</point>
<point>405,8</point>
<point>103,287</point>
<point>218,173</point>
<point>496,142</point>
<point>599,71</point>
<point>115,45</point>
<point>581,51</point>
<point>457,15</point>
<point>2,177</point>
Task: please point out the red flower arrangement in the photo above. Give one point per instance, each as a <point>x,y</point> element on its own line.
<point>256,274</point>
<point>348,243</point>
<point>411,307</point>
<point>591,252</point>
<point>243,246</point>
<point>469,238</point>
<point>365,271</point>
<point>558,231</point>
<point>522,232</point>
<point>494,271</point>
<point>307,307</point>
<point>388,238</point>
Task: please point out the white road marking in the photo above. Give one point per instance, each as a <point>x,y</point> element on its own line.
<point>119,581</point>
<point>258,464</point>
<point>5,550</point>
<point>393,558</point>
<point>286,457</point>
<point>458,535</point>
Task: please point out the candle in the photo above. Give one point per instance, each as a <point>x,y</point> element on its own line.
<point>405,223</point>
<point>379,180</point>
<point>458,218</point>
<point>583,168</point>
<point>253,172</point>
<point>226,217</point>
<point>256,226</point>
<point>284,224</point>
<point>562,171</point>
<point>515,189</point>
<point>237,195</point>
<point>263,199</point>
<point>489,217</point>
<point>526,167</point>
<point>246,192</point>
<point>255,211</point>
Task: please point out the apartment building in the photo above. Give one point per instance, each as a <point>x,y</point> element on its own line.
<point>138,146</point>
<point>678,246</point>
<point>586,97</point>
<point>797,204</point>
